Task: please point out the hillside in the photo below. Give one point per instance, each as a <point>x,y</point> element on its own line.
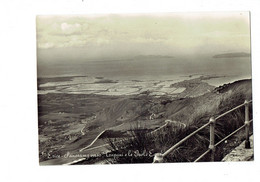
<point>119,115</point>
<point>194,112</point>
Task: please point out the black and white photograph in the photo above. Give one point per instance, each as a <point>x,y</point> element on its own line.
<point>132,90</point>
<point>144,88</point>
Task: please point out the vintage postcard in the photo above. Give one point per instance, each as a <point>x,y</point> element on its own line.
<point>144,88</point>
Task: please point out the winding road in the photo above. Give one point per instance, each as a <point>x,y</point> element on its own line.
<point>167,122</point>
<point>93,140</point>
<point>98,137</point>
<point>87,148</point>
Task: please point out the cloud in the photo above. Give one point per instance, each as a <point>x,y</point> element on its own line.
<point>46,45</point>
<point>70,28</point>
<point>221,34</point>
<point>180,32</point>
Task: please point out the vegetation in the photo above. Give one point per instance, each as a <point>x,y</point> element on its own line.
<point>143,144</point>
<point>63,117</point>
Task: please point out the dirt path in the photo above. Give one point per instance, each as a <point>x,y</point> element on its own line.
<point>98,137</point>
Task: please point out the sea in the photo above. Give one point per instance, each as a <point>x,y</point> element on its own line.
<point>149,68</point>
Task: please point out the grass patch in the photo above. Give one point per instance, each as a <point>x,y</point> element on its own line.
<point>142,145</point>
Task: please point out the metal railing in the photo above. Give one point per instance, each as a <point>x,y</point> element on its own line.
<point>159,157</point>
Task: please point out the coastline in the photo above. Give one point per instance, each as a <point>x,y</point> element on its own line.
<point>62,116</point>
<point>105,86</point>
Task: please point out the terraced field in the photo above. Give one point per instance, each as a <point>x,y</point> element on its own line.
<point>69,122</point>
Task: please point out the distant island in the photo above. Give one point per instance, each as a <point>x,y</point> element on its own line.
<point>232,55</point>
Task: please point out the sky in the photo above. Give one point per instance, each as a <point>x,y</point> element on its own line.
<point>111,36</point>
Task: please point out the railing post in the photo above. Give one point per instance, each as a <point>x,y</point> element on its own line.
<point>158,158</point>
<point>247,142</point>
<point>212,137</point>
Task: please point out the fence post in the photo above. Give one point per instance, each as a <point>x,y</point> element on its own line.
<point>212,137</point>
<point>247,142</point>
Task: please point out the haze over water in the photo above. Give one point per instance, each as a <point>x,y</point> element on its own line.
<point>165,46</point>
<point>149,68</point>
